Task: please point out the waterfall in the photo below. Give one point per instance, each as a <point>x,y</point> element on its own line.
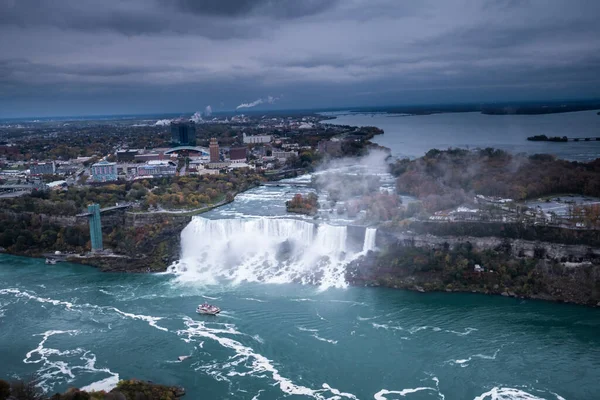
<point>270,250</point>
<point>369,243</point>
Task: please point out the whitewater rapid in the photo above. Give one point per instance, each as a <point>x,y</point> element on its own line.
<point>268,250</point>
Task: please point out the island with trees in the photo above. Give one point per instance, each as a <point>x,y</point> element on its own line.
<point>299,204</point>
<point>544,138</point>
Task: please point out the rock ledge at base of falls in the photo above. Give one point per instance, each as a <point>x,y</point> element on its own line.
<point>561,273</point>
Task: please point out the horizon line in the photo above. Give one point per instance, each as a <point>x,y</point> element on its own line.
<point>351,108</point>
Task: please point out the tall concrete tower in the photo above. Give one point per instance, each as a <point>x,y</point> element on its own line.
<point>214,150</point>
<point>95,227</point>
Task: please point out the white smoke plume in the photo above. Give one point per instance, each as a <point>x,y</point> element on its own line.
<point>250,105</point>
<point>268,99</point>
<point>196,118</point>
<point>163,122</point>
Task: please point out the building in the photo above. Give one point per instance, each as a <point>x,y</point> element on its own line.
<point>197,167</point>
<point>331,147</point>
<point>48,168</point>
<point>57,185</point>
<point>104,171</point>
<point>257,139</point>
<point>157,168</point>
<point>217,165</point>
<point>152,156</point>
<point>127,170</point>
<point>183,133</point>
<point>214,150</point>
<point>238,154</point>
<point>67,169</point>
<point>126,155</point>
<point>284,155</point>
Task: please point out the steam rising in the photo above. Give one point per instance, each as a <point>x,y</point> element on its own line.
<point>268,99</point>
<point>163,122</point>
<point>198,117</point>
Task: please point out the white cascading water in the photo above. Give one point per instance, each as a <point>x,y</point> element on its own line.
<point>270,250</point>
<point>370,235</point>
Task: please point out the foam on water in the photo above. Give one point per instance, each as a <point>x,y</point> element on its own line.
<point>152,321</point>
<point>266,250</point>
<point>247,362</point>
<point>502,393</point>
<point>60,365</point>
<point>383,392</point>
<point>465,362</point>
<point>27,295</point>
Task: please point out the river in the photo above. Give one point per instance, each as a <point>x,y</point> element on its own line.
<point>413,135</point>
<point>71,325</point>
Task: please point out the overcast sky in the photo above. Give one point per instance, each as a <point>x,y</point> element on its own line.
<point>72,57</point>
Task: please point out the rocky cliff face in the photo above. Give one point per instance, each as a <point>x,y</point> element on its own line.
<point>151,243</point>
<point>514,247</point>
<point>509,267</point>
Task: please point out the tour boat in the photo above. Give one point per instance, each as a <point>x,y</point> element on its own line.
<point>208,309</point>
<point>50,261</point>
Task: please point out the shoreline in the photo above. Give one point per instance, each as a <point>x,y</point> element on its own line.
<point>509,294</point>
<point>420,287</point>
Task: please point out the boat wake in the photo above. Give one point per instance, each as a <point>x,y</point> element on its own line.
<point>268,250</point>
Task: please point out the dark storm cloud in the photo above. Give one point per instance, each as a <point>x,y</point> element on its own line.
<point>238,8</point>
<point>131,17</point>
<point>215,19</point>
<point>332,52</point>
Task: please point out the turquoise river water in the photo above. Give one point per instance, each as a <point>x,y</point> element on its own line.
<point>277,338</point>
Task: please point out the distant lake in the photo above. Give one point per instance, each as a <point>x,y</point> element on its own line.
<point>413,135</point>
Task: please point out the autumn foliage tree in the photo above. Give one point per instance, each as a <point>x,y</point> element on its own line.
<point>445,179</point>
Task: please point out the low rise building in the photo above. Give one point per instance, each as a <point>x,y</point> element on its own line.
<point>157,169</point>
<point>256,139</point>
<point>145,157</point>
<point>217,165</point>
<point>67,169</point>
<point>238,154</point>
<point>46,168</point>
<point>127,155</point>
<point>127,170</point>
<point>104,171</point>
<point>282,156</point>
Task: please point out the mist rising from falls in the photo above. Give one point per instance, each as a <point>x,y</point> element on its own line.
<point>270,250</point>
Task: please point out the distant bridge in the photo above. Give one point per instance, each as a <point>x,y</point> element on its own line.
<point>104,210</point>
<point>585,139</point>
<point>193,149</point>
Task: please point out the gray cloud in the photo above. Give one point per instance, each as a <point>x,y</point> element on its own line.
<point>287,9</point>
<point>328,52</point>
